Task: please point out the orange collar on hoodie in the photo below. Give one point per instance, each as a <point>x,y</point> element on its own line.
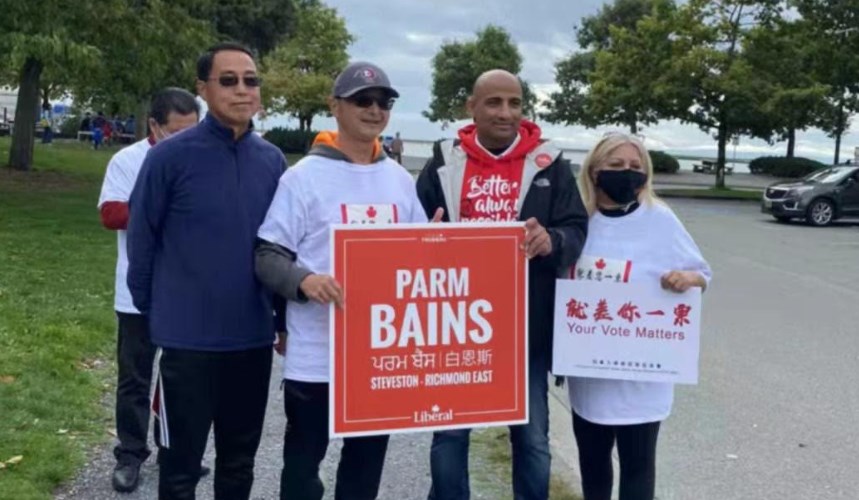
<point>328,138</point>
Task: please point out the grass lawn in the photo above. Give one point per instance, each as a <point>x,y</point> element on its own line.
<point>57,326</point>
<point>56,317</point>
<point>712,193</point>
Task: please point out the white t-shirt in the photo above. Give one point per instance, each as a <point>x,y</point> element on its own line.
<point>118,183</point>
<point>638,247</point>
<point>312,195</point>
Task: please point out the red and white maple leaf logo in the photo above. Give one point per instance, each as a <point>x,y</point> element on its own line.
<point>600,264</point>
<point>371,212</point>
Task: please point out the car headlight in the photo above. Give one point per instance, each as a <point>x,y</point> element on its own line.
<point>798,191</point>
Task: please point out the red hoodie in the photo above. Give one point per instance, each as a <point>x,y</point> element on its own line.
<point>491,185</point>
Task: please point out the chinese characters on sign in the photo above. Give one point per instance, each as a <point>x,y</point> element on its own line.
<point>428,326</point>
<point>626,331</point>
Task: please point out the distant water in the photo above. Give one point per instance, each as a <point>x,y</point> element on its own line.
<point>423,150</point>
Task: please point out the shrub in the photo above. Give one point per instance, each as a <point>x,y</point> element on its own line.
<point>781,166</point>
<point>291,140</point>
<point>664,163</point>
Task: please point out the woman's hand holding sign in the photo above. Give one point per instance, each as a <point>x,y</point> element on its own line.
<point>323,289</point>
<point>680,281</point>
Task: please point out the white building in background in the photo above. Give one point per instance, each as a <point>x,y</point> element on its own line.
<point>8,99</point>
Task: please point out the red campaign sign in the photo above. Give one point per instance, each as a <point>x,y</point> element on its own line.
<point>433,334</point>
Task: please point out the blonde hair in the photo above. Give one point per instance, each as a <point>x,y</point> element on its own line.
<point>599,155</point>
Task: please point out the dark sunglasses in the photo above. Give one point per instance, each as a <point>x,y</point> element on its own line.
<point>233,80</point>
<point>366,100</point>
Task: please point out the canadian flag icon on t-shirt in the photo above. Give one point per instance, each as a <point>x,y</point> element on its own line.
<point>380,213</point>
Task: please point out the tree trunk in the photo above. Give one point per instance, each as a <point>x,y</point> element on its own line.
<point>839,131</point>
<point>46,99</point>
<point>838,146</point>
<point>791,142</point>
<point>720,157</point>
<point>633,128</point>
<point>21,153</point>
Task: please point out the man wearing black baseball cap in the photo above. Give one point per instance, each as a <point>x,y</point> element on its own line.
<point>345,178</point>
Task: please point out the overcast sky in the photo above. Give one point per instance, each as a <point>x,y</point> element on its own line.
<point>403,36</point>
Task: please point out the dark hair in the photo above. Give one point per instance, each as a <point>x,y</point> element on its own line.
<point>172,100</point>
<point>204,63</point>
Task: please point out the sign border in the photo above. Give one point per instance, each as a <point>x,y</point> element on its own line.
<point>332,332</point>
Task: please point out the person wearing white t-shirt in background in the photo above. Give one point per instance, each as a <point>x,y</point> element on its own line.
<point>171,111</point>
<point>345,178</point>
<point>630,229</point>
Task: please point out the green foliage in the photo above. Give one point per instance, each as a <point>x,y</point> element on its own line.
<point>784,54</point>
<point>782,166</point>
<point>300,73</point>
<point>617,79</point>
<point>148,46</point>
<point>834,30</point>
<point>663,162</point>
<point>39,35</point>
<point>595,31</point>
<point>261,24</point>
<point>457,65</point>
<point>291,141</point>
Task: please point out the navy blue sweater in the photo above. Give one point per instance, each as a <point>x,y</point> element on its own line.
<point>194,213</point>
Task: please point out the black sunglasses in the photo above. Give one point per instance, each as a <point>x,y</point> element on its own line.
<point>233,80</point>
<point>367,100</point>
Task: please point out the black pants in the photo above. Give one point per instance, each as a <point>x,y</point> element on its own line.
<point>636,448</point>
<point>227,389</point>
<point>134,355</point>
<point>306,441</point>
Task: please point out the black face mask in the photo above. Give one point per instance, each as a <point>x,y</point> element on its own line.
<point>621,185</point>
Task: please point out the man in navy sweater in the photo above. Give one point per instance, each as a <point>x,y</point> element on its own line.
<point>194,213</point>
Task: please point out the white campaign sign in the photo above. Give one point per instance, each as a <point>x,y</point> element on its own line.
<point>626,331</point>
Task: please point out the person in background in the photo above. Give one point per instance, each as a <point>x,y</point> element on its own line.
<point>171,111</point>
<point>629,228</point>
<point>397,149</point>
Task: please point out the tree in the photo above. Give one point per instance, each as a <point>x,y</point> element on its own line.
<point>36,35</point>
<point>834,27</point>
<point>569,104</point>
<point>784,54</point>
<point>626,48</point>
<point>260,24</point>
<point>149,46</point>
<point>457,65</point>
<point>715,87</point>
<point>300,73</point>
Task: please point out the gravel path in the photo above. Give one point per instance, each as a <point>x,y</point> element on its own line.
<point>406,474</point>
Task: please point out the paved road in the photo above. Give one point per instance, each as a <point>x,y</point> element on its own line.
<point>775,414</point>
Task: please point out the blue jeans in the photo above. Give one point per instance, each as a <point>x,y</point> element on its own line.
<point>530,444</point>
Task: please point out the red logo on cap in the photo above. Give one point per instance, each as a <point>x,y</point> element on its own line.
<point>543,160</point>
<point>368,74</point>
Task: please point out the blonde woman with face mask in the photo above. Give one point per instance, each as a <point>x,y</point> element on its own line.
<point>629,227</point>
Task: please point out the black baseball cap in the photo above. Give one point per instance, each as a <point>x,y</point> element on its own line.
<point>360,76</point>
